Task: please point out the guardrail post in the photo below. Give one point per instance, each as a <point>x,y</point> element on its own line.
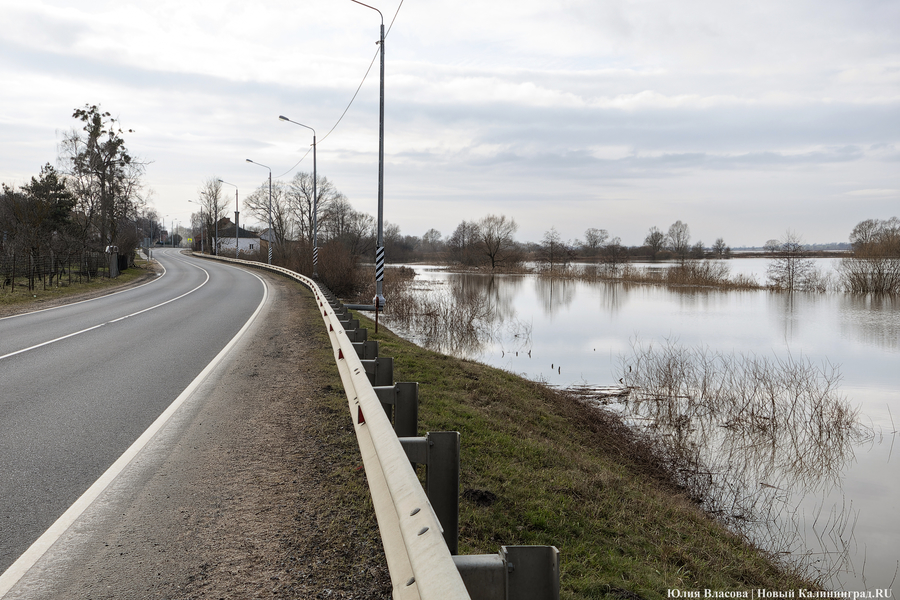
<point>401,403</point>
<point>379,370</point>
<point>442,483</point>
<point>517,573</point>
<point>533,572</point>
<point>439,452</point>
<point>367,350</point>
<point>358,335</point>
<point>406,409</point>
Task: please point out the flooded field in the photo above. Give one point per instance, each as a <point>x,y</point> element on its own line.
<point>781,410</point>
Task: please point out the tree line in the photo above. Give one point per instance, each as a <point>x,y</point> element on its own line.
<point>347,237</point>
<point>91,200</point>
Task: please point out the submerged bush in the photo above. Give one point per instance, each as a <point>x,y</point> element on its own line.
<point>874,266</point>
<point>744,432</point>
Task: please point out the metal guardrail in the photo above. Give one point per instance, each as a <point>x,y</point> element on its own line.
<point>417,549</point>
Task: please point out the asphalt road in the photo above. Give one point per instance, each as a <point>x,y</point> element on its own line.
<point>80,383</point>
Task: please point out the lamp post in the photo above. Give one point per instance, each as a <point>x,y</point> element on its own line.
<point>379,250</point>
<point>237,229</point>
<point>315,212</point>
<point>270,206</point>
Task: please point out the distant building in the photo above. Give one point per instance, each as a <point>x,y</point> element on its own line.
<point>249,241</point>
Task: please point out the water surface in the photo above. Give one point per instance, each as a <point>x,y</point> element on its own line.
<point>568,333</point>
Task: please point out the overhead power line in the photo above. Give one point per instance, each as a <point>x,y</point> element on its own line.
<point>341,118</point>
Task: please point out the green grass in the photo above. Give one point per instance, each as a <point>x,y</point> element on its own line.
<point>570,476</point>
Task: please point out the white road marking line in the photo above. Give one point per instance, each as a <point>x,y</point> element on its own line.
<point>108,322</point>
<point>34,553</point>
<point>137,287</point>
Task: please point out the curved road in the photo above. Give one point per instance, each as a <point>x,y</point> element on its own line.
<point>80,383</point>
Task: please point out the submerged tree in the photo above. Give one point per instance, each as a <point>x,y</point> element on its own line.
<point>720,250</point>
<point>790,269</point>
<point>678,240</point>
<point>555,251</point>
<point>496,235</point>
<point>614,255</point>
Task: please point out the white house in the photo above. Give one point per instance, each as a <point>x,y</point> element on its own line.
<point>248,241</point>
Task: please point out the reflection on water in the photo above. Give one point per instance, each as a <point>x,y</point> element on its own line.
<point>554,294</point>
<point>569,333</point>
<point>746,433</point>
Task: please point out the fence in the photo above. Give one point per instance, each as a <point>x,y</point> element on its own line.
<point>52,270</point>
<point>419,527</point>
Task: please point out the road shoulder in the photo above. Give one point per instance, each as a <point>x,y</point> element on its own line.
<point>252,490</point>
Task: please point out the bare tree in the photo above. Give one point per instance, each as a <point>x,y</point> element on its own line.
<point>104,177</point>
<point>678,240</point>
<point>772,246</point>
<point>554,250</point>
<point>593,240</point>
<point>302,198</point>
<point>354,229</point>
<point>655,240</point>
<point>283,223</point>
<point>213,205</point>
<point>790,270</point>
<point>697,251</point>
<point>719,248</point>
<point>614,255</point>
<point>431,241</point>
<point>496,234</point>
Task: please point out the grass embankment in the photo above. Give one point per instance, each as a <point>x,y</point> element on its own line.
<point>21,297</point>
<point>540,467</point>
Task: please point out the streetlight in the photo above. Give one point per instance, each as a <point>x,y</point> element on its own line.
<point>379,250</point>
<point>237,230</point>
<point>270,205</point>
<point>315,214</point>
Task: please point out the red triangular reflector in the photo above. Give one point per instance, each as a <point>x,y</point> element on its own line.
<point>340,353</point>
<point>331,328</point>
<point>360,419</point>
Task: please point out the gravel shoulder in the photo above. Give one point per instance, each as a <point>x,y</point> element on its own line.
<point>254,490</point>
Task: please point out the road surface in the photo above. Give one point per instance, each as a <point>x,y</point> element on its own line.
<point>80,383</point>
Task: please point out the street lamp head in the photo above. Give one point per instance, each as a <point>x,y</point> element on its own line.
<point>283,118</point>
<point>248,160</point>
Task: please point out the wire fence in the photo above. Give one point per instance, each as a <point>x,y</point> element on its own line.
<point>30,271</point>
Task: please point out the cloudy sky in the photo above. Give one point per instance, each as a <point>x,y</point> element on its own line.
<point>744,119</point>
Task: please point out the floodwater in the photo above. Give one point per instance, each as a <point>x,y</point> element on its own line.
<point>845,521</point>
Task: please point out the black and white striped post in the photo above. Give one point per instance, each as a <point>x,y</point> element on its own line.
<point>315,210</point>
<point>379,251</point>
